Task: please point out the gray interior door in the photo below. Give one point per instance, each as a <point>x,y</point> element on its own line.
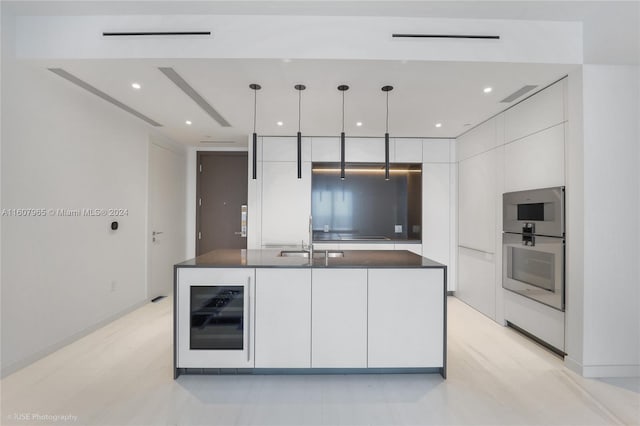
<point>221,193</point>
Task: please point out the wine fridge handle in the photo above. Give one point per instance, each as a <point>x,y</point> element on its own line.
<point>248,319</point>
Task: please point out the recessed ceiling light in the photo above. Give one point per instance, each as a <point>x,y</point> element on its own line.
<point>280,123</point>
<point>188,123</point>
<point>136,86</point>
<point>487,89</point>
<point>438,124</point>
<point>359,124</point>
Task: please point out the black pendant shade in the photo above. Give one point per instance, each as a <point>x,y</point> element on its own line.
<point>255,87</point>
<point>386,89</point>
<point>299,88</point>
<point>342,88</point>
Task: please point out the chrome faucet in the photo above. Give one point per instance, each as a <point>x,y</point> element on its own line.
<point>311,238</point>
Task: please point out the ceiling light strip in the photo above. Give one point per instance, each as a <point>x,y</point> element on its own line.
<point>463,36</point>
<point>99,93</point>
<point>172,75</point>
<point>153,33</point>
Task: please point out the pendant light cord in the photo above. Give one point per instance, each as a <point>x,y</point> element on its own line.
<point>387,128</point>
<point>343,111</point>
<point>255,103</point>
<point>299,102</point>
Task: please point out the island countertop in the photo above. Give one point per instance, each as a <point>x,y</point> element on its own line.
<point>269,258</point>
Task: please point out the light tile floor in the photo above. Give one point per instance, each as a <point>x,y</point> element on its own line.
<point>121,375</point>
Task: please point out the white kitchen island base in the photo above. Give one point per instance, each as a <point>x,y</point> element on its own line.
<point>254,312</point>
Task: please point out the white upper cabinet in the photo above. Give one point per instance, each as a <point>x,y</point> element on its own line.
<point>541,111</point>
<point>325,149</point>
<point>478,140</point>
<point>407,151</point>
<point>284,149</point>
<point>364,150</point>
<point>436,150</point>
<point>436,212</point>
<point>286,203</point>
<point>536,161</point>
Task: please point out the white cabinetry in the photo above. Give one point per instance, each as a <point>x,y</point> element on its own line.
<point>325,149</point>
<point>536,161</point>
<point>286,203</point>
<point>284,149</point>
<point>476,207</point>
<point>283,318</point>
<point>541,111</point>
<point>476,280</point>
<point>436,151</point>
<point>406,318</point>
<point>339,318</point>
<point>407,151</point>
<point>364,150</point>
<point>436,212</point>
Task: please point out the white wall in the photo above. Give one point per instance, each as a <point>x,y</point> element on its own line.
<point>64,148</point>
<point>611,325</point>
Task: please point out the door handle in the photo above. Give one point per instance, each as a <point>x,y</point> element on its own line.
<point>154,233</point>
<point>238,233</point>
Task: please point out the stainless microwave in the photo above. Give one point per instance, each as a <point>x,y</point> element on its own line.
<point>539,211</point>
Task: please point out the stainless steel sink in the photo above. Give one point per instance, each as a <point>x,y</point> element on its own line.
<point>294,253</point>
<point>316,254</point>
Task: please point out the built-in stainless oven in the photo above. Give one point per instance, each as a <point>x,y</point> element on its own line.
<point>536,269</point>
<point>539,210</point>
<point>534,245</point>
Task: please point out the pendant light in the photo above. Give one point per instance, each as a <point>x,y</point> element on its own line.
<point>343,88</point>
<point>255,87</point>
<point>386,89</point>
<point>299,88</point>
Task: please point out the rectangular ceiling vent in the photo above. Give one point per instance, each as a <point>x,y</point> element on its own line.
<point>217,142</point>
<point>172,75</point>
<point>463,36</point>
<point>154,33</point>
<point>515,95</point>
<point>99,93</point>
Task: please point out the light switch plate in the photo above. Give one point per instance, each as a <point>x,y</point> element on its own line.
<point>398,229</point>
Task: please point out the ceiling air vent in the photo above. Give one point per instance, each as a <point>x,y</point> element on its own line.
<point>464,36</point>
<point>153,33</point>
<point>515,95</point>
<point>217,142</point>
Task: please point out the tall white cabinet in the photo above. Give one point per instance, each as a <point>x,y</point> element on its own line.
<point>521,148</point>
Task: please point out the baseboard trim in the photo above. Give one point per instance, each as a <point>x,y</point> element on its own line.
<point>602,371</point>
<point>19,365</point>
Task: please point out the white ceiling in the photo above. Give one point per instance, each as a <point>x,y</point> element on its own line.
<point>425,93</point>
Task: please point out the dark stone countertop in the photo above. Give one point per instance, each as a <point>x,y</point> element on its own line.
<point>236,258</point>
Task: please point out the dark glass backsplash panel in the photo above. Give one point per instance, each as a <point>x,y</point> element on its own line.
<point>364,206</point>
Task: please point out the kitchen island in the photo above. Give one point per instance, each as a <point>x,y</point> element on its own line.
<point>272,311</point>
